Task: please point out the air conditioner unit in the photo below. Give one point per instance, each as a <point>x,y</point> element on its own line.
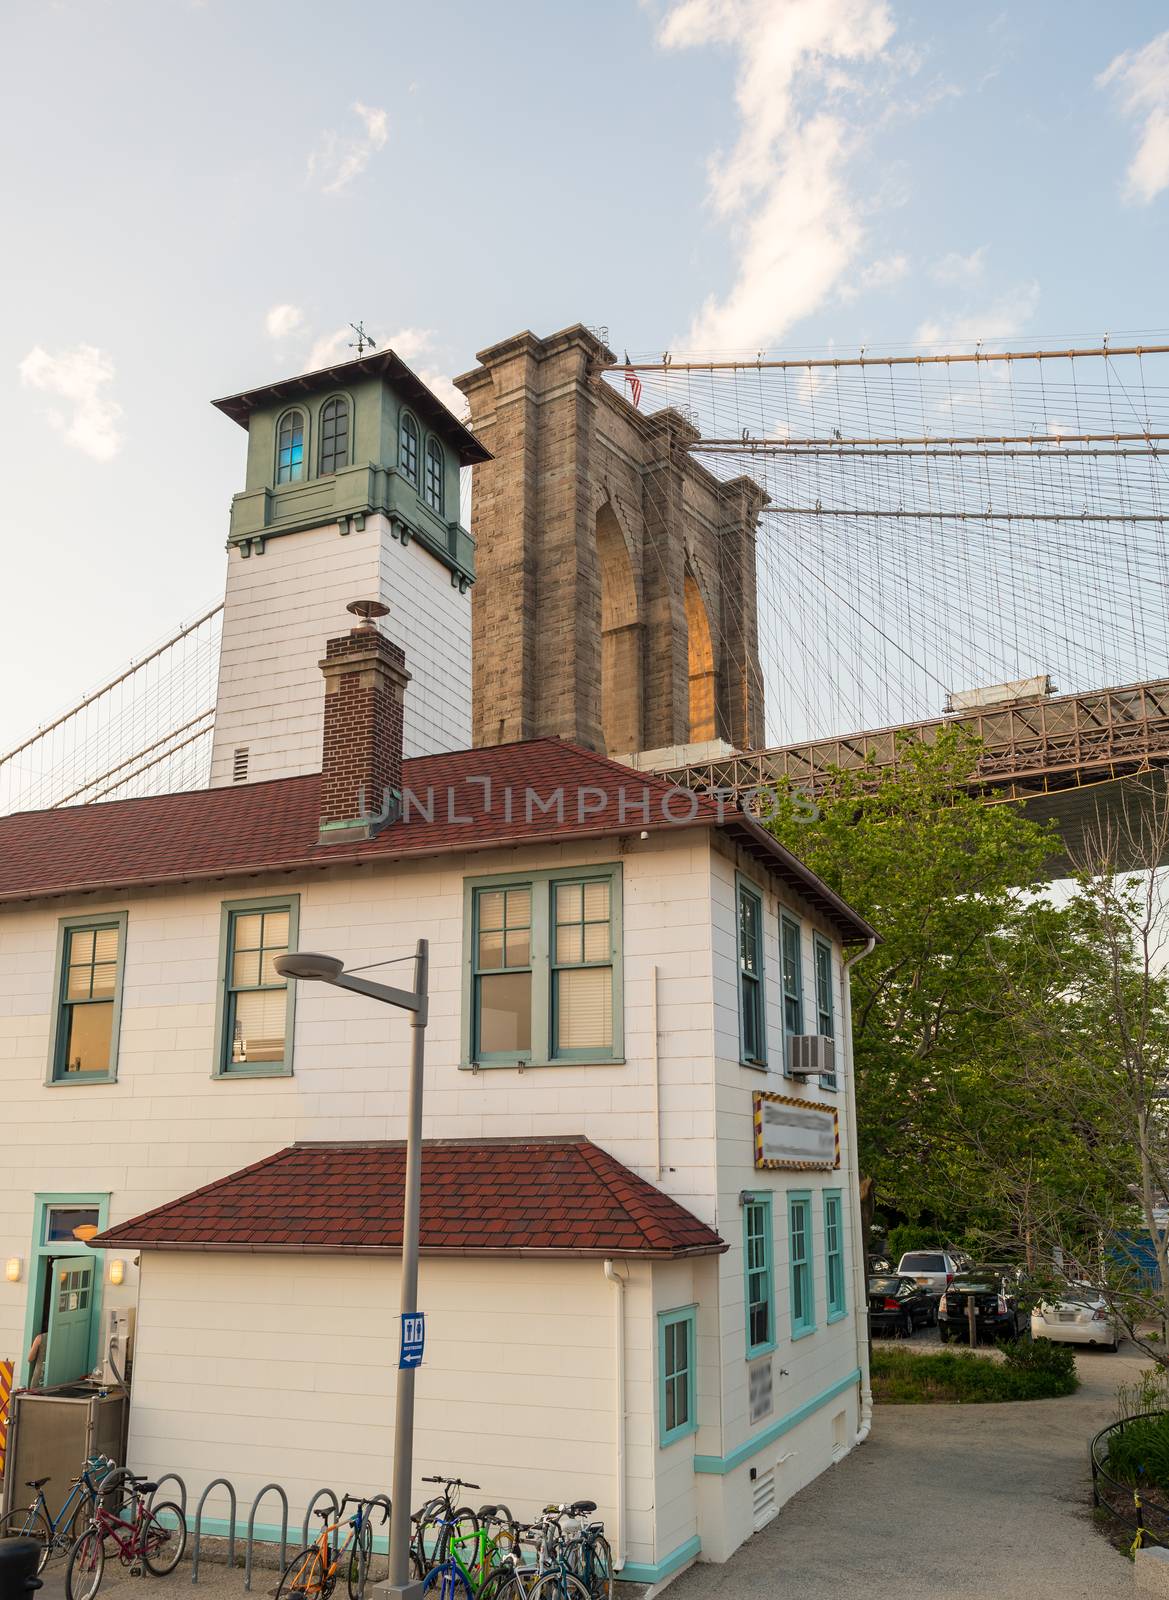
<point>811,1055</point>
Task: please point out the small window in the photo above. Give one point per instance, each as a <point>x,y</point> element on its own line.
<point>677,1407</point>
<point>89,989</point>
<point>758,1275</point>
<point>503,972</point>
<point>793,977</point>
<point>435,473</point>
<point>68,1224</point>
<point>799,1215</point>
<point>334,435</point>
<point>834,1254</point>
<point>256,1000</point>
<point>825,1021</point>
<point>751,1013</point>
<point>408,448</point>
<point>582,969</point>
<point>290,448</point>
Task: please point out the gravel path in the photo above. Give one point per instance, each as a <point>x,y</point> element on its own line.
<point>955,1501</point>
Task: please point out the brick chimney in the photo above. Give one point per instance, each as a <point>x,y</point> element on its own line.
<point>361,769</point>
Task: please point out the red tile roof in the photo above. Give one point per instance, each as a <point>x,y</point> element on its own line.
<point>539,791</point>
<point>506,1197</point>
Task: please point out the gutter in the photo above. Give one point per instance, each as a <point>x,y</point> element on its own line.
<point>859,1281</point>
<point>614,1277</point>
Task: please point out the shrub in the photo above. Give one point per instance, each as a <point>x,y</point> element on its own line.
<point>901,1377</point>
<point>1141,1450</point>
<point>1041,1356</point>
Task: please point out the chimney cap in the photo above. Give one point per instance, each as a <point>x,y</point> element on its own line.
<point>368,611</point>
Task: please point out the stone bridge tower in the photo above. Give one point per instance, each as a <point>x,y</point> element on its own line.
<point>615,597</point>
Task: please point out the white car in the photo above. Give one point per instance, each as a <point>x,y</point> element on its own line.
<point>1081,1315</point>
<point>932,1269</point>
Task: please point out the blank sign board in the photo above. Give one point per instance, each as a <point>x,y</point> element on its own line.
<point>799,1135</point>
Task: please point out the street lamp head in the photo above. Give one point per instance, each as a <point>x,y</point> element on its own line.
<point>307,964</point>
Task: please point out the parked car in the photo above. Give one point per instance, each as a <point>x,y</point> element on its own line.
<point>932,1269</point>
<point>1080,1315</point>
<point>995,1293</point>
<point>899,1305</point>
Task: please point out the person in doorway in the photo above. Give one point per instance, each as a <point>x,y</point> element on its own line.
<point>36,1360</point>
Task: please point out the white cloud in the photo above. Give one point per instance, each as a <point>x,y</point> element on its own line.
<point>783,187</point>
<point>80,377</point>
<point>1000,319</point>
<point>414,345</point>
<point>954,267</point>
<point>879,274</point>
<point>339,158</point>
<point>330,348</point>
<point>1142,79</point>
<point>283,320</point>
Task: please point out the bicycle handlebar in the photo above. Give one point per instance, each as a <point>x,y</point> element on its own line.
<point>451,1483</point>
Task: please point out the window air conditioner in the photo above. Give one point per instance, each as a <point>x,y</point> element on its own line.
<point>811,1055</point>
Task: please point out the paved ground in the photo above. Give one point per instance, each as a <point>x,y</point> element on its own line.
<point>986,1501</point>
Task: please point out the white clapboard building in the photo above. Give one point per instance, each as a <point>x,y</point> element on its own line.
<point>641,1270</point>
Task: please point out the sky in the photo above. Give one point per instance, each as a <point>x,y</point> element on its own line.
<point>200,196</point>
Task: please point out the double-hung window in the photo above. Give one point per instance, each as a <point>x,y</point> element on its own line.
<point>757,1271</point>
<point>677,1366</point>
<point>89,997</point>
<point>334,435</point>
<point>792,977</point>
<point>544,968</point>
<point>256,1003</point>
<point>752,1025</point>
<point>408,448</point>
<point>290,448</point>
<point>825,1016</point>
<point>434,487</point>
<point>834,1254</point>
<point>803,1292</point>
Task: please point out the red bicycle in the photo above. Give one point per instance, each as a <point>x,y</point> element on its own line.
<point>152,1538</point>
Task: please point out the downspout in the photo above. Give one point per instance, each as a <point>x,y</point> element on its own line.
<point>657,1065</point>
<point>618,1282</point>
<point>859,1282</point>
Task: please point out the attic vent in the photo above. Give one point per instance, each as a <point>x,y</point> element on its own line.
<point>239,765</point>
<point>763,1506</point>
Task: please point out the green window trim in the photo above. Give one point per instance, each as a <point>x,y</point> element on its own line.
<point>791,982</point>
<point>825,1002</point>
<point>59,1028</point>
<point>802,1273</point>
<point>434,476</point>
<point>410,449</point>
<point>546,970</point>
<point>749,954</point>
<point>335,434</point>
<point>835,1277</point>
<point>758,1275</point>
<point>677,1388</point>
<point>292,447</point>
<point>223,1066</point>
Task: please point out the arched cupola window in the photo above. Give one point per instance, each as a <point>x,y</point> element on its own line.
<point>408,448</point>
<point>290,448</point>
<point>435,473</point>
<point>334,435</point>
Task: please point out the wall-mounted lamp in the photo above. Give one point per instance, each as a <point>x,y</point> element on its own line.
<point>117,1271</point>
<point>13,1268</point>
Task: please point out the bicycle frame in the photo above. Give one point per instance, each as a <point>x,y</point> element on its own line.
<point>127,1536</point>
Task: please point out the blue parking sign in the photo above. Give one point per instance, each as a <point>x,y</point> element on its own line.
<point>413,1339</point>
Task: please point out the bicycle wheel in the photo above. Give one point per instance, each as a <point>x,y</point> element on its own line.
<point>447,1583</point>
<point>428,1534</point>
<point>599,1569</point>
<point>31,1523</point>
<point>86,1563</point>
<point>559,1584</point>
<point>163,1538</point>
<point>357,1565</point>
<point>462,1542</point>
<point>306,1577</point>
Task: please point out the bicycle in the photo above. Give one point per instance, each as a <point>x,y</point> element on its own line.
<point>55,1534</point>
<point>441,1524</point>
<point>153,1540</point>
<point>313,1572</point>
<point>587,1553</point>
<point>550,1577</point>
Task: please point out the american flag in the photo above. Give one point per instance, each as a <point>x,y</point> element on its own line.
<point>633,381</point>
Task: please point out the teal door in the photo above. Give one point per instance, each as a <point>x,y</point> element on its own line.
<point>70,1311</point>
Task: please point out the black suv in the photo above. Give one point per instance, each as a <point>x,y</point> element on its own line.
<point>997,1313</point>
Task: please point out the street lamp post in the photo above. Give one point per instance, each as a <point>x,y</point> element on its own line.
<point>327,969</point>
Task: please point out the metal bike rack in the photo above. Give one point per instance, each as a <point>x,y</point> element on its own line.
<point>321,1494</point>
<point>171,1477</point>
<point>269,1488</point>
<point>216,1483</point>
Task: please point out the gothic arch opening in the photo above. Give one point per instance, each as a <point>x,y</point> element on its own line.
<point>703,687</point>
<point>621,683</point>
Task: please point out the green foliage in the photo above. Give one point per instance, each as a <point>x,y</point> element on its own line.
<point>978,982</point>
<point>1044,1358</point>
<point>916,1236</point>
<point>1149,1391</point>
<point>1139,1452</point>
<point>903,1377</point>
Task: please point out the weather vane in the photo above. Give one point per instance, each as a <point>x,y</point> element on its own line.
<point>362,340</point>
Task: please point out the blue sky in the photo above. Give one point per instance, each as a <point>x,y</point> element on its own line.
<point>199,195</point>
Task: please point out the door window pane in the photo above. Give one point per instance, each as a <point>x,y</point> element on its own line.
<point>62,1221</point>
